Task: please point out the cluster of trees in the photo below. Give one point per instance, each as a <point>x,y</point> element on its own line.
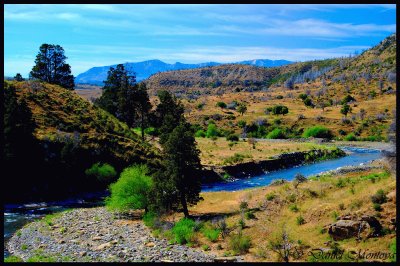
<point>176,184</point>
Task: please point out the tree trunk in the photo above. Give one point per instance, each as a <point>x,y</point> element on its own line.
<point>184,206</point>
<point>142,125</point>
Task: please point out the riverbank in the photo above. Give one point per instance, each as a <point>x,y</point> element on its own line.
<point>95,235</point>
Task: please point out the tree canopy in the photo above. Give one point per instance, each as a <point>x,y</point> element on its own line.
<point>50,66</point>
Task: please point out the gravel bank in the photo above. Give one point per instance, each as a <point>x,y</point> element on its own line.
<point>94,235</point>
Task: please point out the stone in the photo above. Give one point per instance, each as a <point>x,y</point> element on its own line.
<point>102,246</point>
<point>62,241</point>
<point>150,244</point>
<point>82,254</point>
<point>225,259</point>
<point>350,226</point>
<point>96,238</point>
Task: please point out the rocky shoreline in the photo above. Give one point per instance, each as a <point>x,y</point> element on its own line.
<point>94,235</point>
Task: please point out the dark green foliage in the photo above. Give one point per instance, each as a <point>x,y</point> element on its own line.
<point>221,105</point>
<point>232,137</point>
<point>179,181</point>
<point>300,220</point>
<point>236,158</point>
<point>183,231</point>
<point>345,109</point>
<point>103,172</point>
<point>200,134</point>
<point>13,259</point>
<point>308,102</point>
<point>293,208</point>
<point>270,196</point>
<point>18,77</point>
<point>168,114</point>
<point>303,96</point>
<point>50,66</point>
<point>123,98</point>
<point>239,243</point>
<point>241,124</point>
<point>318,132</point>
<point>150,219</point>
<point>133,190</point>
<point>377,207</point>
<point>249,215</point>
<point>347,99</point>
<point>278,109</point>
<point>379,197</point>
<point>242,108</point>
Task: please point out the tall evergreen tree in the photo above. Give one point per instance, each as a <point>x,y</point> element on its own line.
<point>18,77</point>
<point>50,66</point>
<point>144,106</point>
<point>119,94</point>
<point>180,181</point>
<point>169,113</point>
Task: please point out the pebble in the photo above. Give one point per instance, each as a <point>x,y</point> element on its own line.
<point>134,243</point>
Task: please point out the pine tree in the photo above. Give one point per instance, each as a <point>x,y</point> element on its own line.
<point>169,113</point>
<point>18,77</point>
<point>119,95</point>
<point>180,180</point>
<point>50,66</point>
<point>144,107</point>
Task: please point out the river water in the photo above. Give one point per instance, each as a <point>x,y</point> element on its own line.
<point>15,216</point>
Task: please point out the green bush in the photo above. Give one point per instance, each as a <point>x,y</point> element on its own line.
<point>149,219</point>
<point>308,102</point>
<point>293,208</point>
<point>13,259</point>
<point>377,207</point>
<point>249,215</point>
<point>379,197</point>
<point>236,158</point>
<point>232,137</point>
<point>103,172</point>
<point>347,99</point>
<point>393,249</point>
<point>241,124</point>
<point>240,244</point>
<point>277,133</point>
<point>212,131</point>
<point>211,234</point>
<point>350,137</point>
<point>270,196</point>
<point>151,131</point>
<point>318,132</point>
<point>303,96</point>
<point>200,134</point>
<point>183,231</point>
<point>132,190</point>
<point>221,105</point>
<point>300,220</point>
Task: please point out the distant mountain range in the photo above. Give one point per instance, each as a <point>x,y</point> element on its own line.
<point>145,69</point>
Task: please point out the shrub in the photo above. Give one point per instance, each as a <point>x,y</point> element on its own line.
<point>308,102</point>
<point>212,131</point>
<point>13,259</point>
<point>342,132</point>
<point>240,244</point>
<point>200,106</point>
<point>242,224</point>
<point>221,105</point>
<point>347,99</point>
<point>350,137</point>
<point>278,109</point>
<point>149,219</point>
<point>270,196</point>
<point>243,205</point>
<point>340,182</point>
<point>132,190</point>
<point>236,158</point>
<point>300,178</point>
<point>303,96</point>
<point>205,247</point>
<point>279,97</point>
<point>183,231</point>
<point>249,215</point>
<point>211,234</point>
<point>103,172</point>
<point>300,220</point>
<point>232,137</point>
<point>151,131</point>
<point>377,207</point>
<point>241,124</point>
<point>277,133</point>
<point>200,134</point>
<point>293,208</point>
<point>379,197</point>
<point>318,132</point>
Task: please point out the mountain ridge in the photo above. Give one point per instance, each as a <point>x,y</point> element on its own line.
<point>144,69</point>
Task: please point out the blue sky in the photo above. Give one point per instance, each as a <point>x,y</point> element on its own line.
<point>98,35</point>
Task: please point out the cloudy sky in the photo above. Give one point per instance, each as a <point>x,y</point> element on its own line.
<point>98,35</point>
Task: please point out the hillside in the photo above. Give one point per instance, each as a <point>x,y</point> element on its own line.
<point>143,70</point>
<point>67,127</point>
<point>369,78</point>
